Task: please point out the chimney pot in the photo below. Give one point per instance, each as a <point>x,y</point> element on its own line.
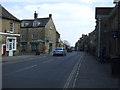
<point>35,15</point>
<point>50,15</point>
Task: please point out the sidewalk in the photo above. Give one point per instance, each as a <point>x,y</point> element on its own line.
<point>19,58</point>
<point>93,74</point>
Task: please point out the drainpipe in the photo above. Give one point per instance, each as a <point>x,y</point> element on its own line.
<point>99,27</point>
<point>117,42</point>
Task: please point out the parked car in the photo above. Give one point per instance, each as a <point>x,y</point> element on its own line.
<point>59,51</point>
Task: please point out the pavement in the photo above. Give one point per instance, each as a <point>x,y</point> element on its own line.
<point>93,74</point>
<point>6,59</point>
<point>90,74</point>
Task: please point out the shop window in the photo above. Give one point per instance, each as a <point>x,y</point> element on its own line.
<point>34,47</point>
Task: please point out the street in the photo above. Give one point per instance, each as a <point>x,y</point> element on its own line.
<point>41,72</point>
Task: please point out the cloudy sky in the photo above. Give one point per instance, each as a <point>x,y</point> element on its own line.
<point>72,18</point>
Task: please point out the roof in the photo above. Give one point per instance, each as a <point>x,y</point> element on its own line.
<point>103,11</point>
<point>6,15</point>
<point>43,21</point>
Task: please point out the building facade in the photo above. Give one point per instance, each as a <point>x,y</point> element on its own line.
<point>10,37</point>
<point>38,34</point>
<point>108,31</point>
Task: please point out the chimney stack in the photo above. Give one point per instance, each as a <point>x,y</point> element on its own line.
<point>35,15</point>
<point>50,15</point>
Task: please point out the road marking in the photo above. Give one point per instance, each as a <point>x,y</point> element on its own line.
<point>26,68</point>
<point>72,74</point>
<point>78,69</point>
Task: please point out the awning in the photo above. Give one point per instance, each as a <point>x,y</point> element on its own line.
<point>34,42</point>
<point>23,43</point>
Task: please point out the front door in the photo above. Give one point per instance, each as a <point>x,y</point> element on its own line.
<point>10,47</point>
<point>50,48</point>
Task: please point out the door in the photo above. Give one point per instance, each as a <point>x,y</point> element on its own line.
<point>10,47</point>
<point>50,48</point>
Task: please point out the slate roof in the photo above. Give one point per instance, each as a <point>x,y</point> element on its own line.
<point>43,21</point>
<point>103,11</point>
<point>6,15</point>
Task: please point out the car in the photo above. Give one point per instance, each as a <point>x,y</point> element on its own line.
<point>59,51</point>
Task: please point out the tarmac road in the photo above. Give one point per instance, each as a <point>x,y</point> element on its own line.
<point>41,72</point>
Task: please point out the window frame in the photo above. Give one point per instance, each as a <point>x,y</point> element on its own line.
<point>11,27</point>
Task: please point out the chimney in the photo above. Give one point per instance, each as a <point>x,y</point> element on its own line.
<point>35,15</point>
<point>50,15</point>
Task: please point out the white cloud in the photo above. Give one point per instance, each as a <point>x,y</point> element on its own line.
<point>60,1</point>
<point>71,19</point>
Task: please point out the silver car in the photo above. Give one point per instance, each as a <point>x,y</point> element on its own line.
<point>59,51</point>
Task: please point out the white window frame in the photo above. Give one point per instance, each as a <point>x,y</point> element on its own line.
<point>22,24</point>
<point>14,39</point>
<point>35,23</point>
<point>11,27</point>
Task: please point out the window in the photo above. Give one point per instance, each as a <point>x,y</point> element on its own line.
<point>34,47</point>
<point>34,36</point>
<point>35,23</point>
<point>11,27</point>
<point>11,43</point>
<point>26,24</point>
<point>39,23</point>
<point>50,27</point>
<point>22,24</point>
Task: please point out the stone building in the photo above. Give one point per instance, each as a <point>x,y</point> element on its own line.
<point>83,43</point>
<point>107,28</point>
<point>92,42</point>
<point>57,39</point>
<point>102,32</point>
<point>9,33</point>
<point>38,34</point>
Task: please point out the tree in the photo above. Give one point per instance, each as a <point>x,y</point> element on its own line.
<point>66,43</point>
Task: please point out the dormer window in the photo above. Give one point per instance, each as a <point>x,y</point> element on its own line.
<point>26,24</point>
<point>11,27</point>
<point>22,24</point>
<point>39,23</point>
<point>35,23</point>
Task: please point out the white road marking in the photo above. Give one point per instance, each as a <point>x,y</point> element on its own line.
<point>72,74</point>
<point>26,68</point>
<point>78,70</point>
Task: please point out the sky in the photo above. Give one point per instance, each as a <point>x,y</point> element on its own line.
<point>72,18</point>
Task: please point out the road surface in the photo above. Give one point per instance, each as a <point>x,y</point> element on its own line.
<point>41,72</point>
